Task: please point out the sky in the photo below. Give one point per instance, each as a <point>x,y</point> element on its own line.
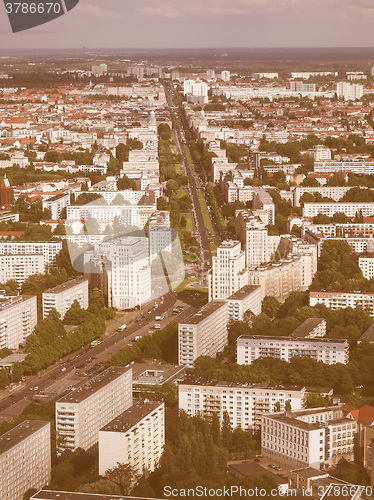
<point>201,24</point>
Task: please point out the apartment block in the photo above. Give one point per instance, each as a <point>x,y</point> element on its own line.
<point>18,318</point>
<point>342,300</point>
<point>263,201</point>
<point>204,333</point>
<point>19,267</point>
<point>49,249</point>
<point>349,209</point>
<point>311,328</point>
<point>82,413</point>
<point>25,459</point>
<point>329,351</point>
<point>318,437</point>
<point>55,204</point>
<point>62,297</point>
<point>246,299</point>
<point>135,437</point>
<point>245,404</point>
<point>365,167</point>
<point>366,264</point>
<point>278,279</point>
<point>228,272</point>
<point>334,192</point>
<point>349,91</point>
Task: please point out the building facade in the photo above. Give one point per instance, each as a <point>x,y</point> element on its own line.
<point>18,318</point>
<point>62,297</point>
<point>19,267</point>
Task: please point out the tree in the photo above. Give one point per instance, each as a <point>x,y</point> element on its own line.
<point>123,475</point>
<point>124,183</point>
<point>310,182</point>
<point>270,306</point>
<point>103,486</point>
<point>4,379</point>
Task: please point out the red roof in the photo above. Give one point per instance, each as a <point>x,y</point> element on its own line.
<point>354,411</point>
<point>12,233</point>
<point>366,415</point>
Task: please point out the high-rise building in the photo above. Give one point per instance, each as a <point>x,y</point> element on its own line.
<point>99,69</point>
<point>247,299</point>
<point>19,267</point>
<point>228,272</point>
<point>135,437</point>
<point>62,297</point>
<point>18,318</point>
<point>82,413</point>
<point>298,86</point>
<point>25,459</point>
<point>244,404</point>
<point>211,74</point>
<point>318,437</point>
<point>204,333</point>
<point>225,76</point>
<point>349,91</point>
<point>49,249</point>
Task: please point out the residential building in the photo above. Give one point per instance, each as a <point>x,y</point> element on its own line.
<point>203,333</point>
<point>99,69</point>
<point>320,152</point>
<point>318,437</point>
<point>368,335</point>
<point>329,351</point>
<point>366,264</point>
<point>49,249</point>
<point>80,414</point>
<point>349,91</point>
<point>228,274</point>
<point>299,86</point>
<point>244,403</point>
<point>311,328</point>
<point>279,278</point>
<point>246,299</point>
<point>25,459</point>
<point>136,437</point>
<point>19,267</point>
<point>342,300</point>
<point>18,318</point>
<point>263,201</point>
<point>62,297</point>
<point>5,194</point>
<point>334,192</point>
<point>365,167</point>
<point>55,204</point>
<point>349,209</point>
<point>129,273</point>
<point>225,76</point>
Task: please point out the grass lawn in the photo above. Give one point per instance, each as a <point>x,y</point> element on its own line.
<point>213,248</point>
<point>184,285</point>
<point>205,212</point>
<point>189,159</point>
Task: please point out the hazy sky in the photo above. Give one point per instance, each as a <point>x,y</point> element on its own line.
<point>202,23</point>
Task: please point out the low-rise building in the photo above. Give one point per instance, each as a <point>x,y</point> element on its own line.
<point>25,459</point>
<point>244,403</point>
<point>62,297</point>
<point>135,437</point>
<point>329,351</point>
<point>311,328</point>
<point>204,333</point>
<point>80,414</point>
<point>318,437</point>
<point>342,300</point>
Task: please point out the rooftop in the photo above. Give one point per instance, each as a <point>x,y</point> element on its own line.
<point>67,495</point>
<point>306,327</point>
<point>19,433</point>
<point>235,385</point>
<point>203,312</point>
<point>95,384</point>
<point>65,286</point>
<point>293,339</point>
<point>152,372</point>
<point>368,334</point>
<point>131,417</point>
<point>243,292</point>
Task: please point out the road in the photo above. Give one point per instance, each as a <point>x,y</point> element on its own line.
<point>57,379</point>
<point>194,184</point>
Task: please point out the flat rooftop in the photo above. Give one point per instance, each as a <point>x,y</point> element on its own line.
<point>203,313</point>
<point>66,286</point>
<point>235,385</point>
<point>131,417</point>
<point>19,433</point>
<point>306,327</point>
<point>68,495</point>
<point>152,372</point>
<point>294,422</point>
<point>85,390</point>
<point>308,472</point>
<point>293,339</point>
<point>11,300</point>
<point>243,292</point>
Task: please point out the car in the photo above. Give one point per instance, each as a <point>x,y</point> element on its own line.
<point>157,326</point>
<point>63,369</point>
<point>36,388</point>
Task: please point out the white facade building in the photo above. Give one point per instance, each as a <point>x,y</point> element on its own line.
<point>228,273</point>
<point>19,267</point>
<point>49,249</point>
<point>245,404</point>
<point>246,299</point>
<point>318,437</point>
<point>225,76</point>
<point>349,91</point>
<point>25,459</point>
<point>82,413</point>
<point>342,300</point>
<point>135,437</point>
<point>329,351</point>
<point>56,204</point>
<point>204,333</point>
<point>350,209</point>
<point>62,297</point>
<point>18,318</point>
<point>366,264</point>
